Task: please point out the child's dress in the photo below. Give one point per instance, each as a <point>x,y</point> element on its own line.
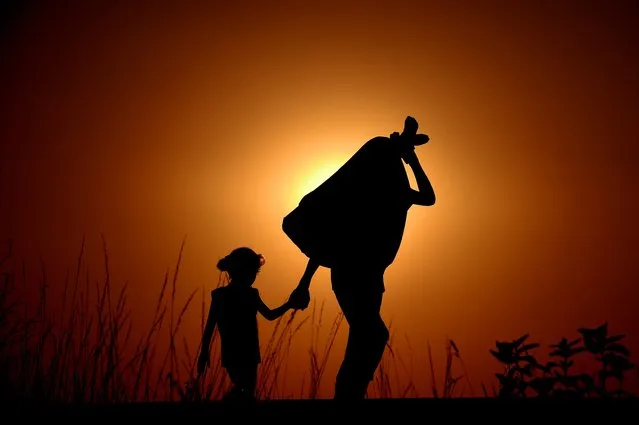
<point>236,313</point>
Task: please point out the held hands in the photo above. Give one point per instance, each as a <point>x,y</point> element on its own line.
<point>300,298</point>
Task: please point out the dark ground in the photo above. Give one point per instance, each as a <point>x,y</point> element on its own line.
<point>389,410</point>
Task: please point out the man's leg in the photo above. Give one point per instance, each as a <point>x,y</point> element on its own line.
<point>367,337</point>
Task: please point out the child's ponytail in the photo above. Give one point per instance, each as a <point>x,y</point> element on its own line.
<point>223,264</point>
<point>241,258</point>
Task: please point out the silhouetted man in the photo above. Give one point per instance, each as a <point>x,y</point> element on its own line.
<point>353,224</point>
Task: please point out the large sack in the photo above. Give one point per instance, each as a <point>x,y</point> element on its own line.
<point>357,216</point>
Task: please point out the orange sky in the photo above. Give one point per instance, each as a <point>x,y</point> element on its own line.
<point>151,122</point>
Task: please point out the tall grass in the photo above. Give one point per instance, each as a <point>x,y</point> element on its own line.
<point>85,351</point>
<point>450,379</point>
<point>319,356</point>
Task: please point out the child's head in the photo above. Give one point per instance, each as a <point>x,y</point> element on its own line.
<point>242,264</point>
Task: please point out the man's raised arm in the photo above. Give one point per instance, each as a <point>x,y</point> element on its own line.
<point>426,194</point>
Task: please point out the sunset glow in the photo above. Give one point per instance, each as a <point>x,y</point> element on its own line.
<point>314,176</point>
<point>151,124</point>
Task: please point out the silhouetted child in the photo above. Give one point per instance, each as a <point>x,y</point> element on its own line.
<point>234,309</point>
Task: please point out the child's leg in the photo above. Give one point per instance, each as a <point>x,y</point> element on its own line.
<point>244,380</point>
<point>253,379</point>
<point>233,372</point>
<point>247,380</point>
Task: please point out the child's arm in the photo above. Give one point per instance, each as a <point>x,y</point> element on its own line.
<point>211,321</point>
<point>272,314</point>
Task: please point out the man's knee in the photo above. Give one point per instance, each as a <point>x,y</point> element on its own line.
<point>372,330</point>
<point>374,335</point>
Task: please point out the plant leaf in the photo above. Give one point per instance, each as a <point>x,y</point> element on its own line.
<point>505,358</point>
<point>618,348</point>
<point>528,347</point>
<point>615,338</point>
<point>574,342</point>
<point>520,340</point>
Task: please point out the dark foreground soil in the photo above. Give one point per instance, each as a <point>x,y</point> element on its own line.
<point>391,411</point>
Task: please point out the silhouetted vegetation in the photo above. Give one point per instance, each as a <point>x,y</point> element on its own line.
<point>525,376</point>
<point>85,351</point>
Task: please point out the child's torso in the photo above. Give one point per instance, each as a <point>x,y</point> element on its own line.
<point>237,323</point>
